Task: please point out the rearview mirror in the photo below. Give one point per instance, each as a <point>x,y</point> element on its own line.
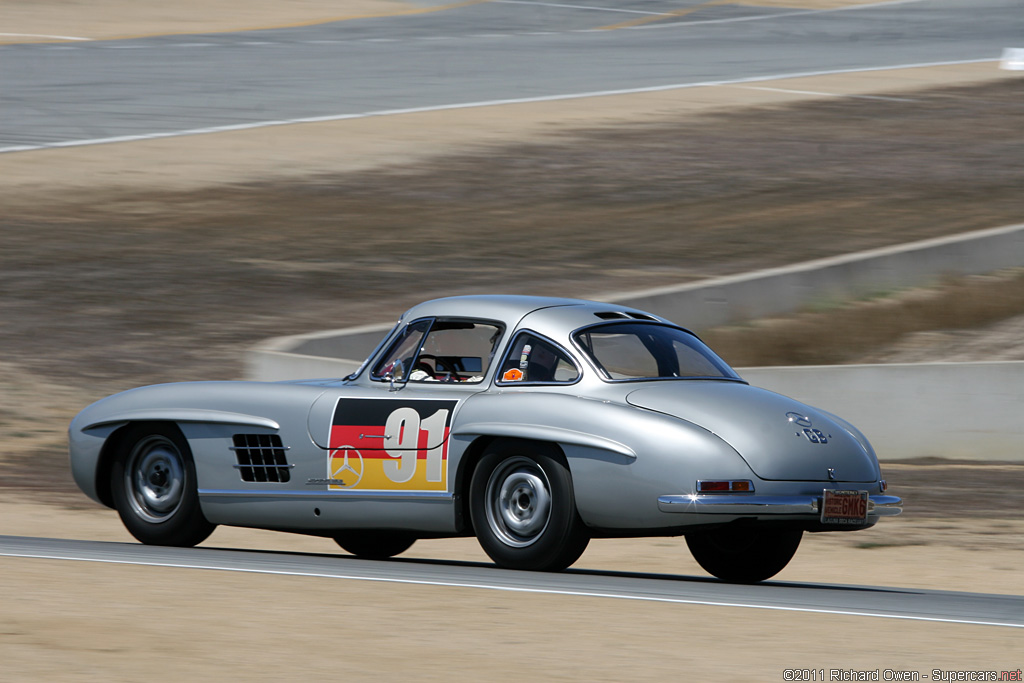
<point>396,375</point>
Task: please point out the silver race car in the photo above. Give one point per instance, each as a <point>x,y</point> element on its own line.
<point>534,424</point>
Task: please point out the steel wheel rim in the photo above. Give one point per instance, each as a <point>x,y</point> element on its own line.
<point>154,479</point>
<point>518,502</point>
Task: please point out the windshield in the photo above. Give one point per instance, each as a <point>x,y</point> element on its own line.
<point>630,351</point>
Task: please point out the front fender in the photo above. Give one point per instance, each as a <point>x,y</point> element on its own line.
<point>236,403</point>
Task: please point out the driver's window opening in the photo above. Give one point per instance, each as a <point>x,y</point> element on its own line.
<point>447,351</point>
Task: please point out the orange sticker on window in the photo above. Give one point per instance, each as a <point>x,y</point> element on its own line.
<point>513,375</point>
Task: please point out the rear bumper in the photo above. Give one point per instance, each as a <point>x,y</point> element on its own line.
<point>767,506</point>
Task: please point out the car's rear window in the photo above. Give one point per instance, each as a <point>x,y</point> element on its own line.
<point>631,351</point>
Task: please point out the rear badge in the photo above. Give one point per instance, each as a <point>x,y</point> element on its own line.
<point>812,435</point>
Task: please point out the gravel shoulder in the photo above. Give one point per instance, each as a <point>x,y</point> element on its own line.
<point>59,20</point>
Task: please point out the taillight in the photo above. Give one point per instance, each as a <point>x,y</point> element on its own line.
<point>725,486</point>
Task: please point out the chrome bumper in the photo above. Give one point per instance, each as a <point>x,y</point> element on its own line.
<point>739,504</point>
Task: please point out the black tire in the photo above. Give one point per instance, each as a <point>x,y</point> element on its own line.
<point>523,510</point>
<point>153,482</point>
<point>744,554</point>
<point>375,545</point>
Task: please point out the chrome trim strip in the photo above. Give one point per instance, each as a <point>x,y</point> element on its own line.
<point>185,415</point>
<point>543,433</point>
<point>276,467</point>
<point>373,495</point>
<point>878,506</point>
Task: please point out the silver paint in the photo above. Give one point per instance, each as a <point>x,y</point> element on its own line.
<point>634,448</point>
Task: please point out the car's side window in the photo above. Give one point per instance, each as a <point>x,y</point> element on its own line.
<point>441,351</point>
<point>402,352</point>
<point>533,359</point>
<point>456,351</point>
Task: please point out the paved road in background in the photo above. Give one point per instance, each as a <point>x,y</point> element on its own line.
<point>81,92</point>
<point>867,601</point>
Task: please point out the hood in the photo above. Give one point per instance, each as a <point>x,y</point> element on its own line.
<point>777,436</point>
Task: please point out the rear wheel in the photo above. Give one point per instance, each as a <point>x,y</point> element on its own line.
<point>744,554</point>
<point>375,545</point>
<point>523,509</point>
<point>153,481</point>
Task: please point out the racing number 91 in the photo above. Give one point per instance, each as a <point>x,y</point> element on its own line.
<point>403,431</point>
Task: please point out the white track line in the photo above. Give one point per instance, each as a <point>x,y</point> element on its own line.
<point>42,35</point>
<point>462,105</point>
<point>584,7</point>
<point>517,589</point>
<point>764,17</point>
<point>828,94</point>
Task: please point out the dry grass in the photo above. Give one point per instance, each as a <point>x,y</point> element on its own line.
<point>132,288</point>
<point>845,333</point>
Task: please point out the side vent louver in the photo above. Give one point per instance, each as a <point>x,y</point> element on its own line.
<point>261,457</point>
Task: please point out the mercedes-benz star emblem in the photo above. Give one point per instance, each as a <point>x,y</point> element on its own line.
<point>336,471</point>
<point>799,419</point>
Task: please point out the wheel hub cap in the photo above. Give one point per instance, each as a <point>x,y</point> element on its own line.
<point>519,502</point>
<point>155,476</point>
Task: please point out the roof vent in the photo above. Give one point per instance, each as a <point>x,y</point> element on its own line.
<point>261,457</point>
<point>622,315</point>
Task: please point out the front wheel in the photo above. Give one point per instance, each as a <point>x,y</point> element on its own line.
<point>523,509</point>
<point>744,554</point>
<point>375,545</point>
<point>153,482</point>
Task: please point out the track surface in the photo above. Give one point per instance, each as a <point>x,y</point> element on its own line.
<point>879,602</point>
<point>84,92</point>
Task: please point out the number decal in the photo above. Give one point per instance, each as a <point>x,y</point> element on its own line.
<point>435,426</point>
<point>400,445</point>
<point>402,430</point>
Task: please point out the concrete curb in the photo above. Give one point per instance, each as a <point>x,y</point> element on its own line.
<point>735,298</point>
<point>970,411</point>
<point>718,301</point>
<point>953,410</point>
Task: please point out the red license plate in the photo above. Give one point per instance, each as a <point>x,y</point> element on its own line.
<point>844,507</point>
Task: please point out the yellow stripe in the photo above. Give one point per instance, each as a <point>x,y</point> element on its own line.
<point>303,24</point>
<point>668,15</point>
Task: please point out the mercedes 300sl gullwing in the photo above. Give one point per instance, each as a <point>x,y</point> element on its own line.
<point>535,424</point>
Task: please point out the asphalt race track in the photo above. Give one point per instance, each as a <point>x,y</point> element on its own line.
<point>892,603</point>
<point>61,94</point>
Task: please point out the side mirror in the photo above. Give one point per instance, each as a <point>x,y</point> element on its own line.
<point>396,375</point>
